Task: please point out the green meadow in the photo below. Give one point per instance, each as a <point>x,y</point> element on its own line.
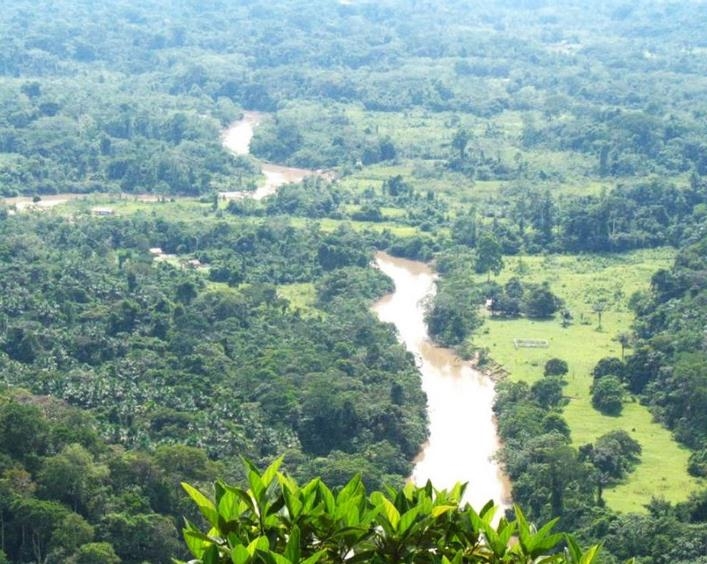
<point>581,281</point>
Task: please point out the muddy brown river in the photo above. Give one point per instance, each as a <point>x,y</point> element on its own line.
<point>237,140</point>
<point>463,439</point>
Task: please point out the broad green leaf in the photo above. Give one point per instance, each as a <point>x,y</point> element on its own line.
<point>275,558</point>
<point>211,556</point>
<point>205,505</point>
<point>256,486</point>
<point>243,496</point>
<point>591,555</point>
<point>407,519</point>
<point>197,543</point>
<point>390,512</point>
<point>271,472</point>
<point>489,507</point>
<point>240,554</point>
<point>314,558</point>
<point>292,549</point>
<point>439,510</point>
<point>327,497</point>
<point>293,504</point>
<point>260,543</point>
<point>229,506</point>
<point>574,552</point>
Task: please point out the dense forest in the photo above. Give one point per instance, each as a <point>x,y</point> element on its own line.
<point>166,342</point>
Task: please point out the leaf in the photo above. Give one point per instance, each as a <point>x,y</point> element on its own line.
<point>239,554</point>
<point>205,505</point>
<point>197,543</point>
<point>573,550</point>
<point>271,472</point>
<point>408,519</point>
<point>294,505</point>
<point>260,543</point>
<point>211,556</point>
<point>229,506</point>
<point>327,497</point>
<point>439,510</point>
<point>292,549</point>
<point>314,558</point>
<point>591,555</point>
<point>244,496</point>
<point>390,512</point>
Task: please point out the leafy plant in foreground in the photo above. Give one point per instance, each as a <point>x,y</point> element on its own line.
<point>276,521</point>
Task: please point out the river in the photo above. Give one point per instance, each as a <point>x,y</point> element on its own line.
<point>237,140</point>
<point>463,438</point>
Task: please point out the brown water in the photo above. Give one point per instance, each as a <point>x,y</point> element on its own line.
<point>463,438</point>
<point>237,139</point>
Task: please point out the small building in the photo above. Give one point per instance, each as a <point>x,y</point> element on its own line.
<point>102,211</point>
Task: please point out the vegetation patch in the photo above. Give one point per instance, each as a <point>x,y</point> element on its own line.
<point>581,280</point>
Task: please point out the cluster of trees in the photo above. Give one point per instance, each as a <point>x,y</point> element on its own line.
<point>668,367</point>
<point>549,476</point>
<point>454,312</point>
<point>54,137</point>
<point>68,496</point>
<point>160,356</point>
<point>152,93</point>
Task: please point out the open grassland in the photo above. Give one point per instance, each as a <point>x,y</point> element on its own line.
<point>302,297</point>
<point>582,281</point>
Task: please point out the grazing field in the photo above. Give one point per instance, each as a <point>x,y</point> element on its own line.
<point>581,281</point>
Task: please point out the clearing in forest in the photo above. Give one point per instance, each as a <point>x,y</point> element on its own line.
<point>582,281</point>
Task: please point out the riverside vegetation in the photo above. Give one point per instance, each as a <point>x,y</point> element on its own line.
<point>517,145</point>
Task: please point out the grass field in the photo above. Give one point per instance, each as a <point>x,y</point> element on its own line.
<point>302,296</point>
<point>581,281</point>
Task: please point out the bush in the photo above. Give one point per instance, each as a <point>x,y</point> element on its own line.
<point>540,303</point>
<point>609,365</point>
<point>608,395</point>
<point>556,367</point>
<point>275,520</point>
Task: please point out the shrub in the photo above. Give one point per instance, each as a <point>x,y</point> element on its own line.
<point>608,395</point>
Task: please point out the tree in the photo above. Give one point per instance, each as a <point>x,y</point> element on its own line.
<point>72,477</point>
<point>624,339</point>
<point>599,308</point>
<point>556,367</point>
<point>614,454</point>
<point>95,553</point>
<point>23,431</point>
<point>609,366</point>
<point>548,391</point>
<point>608,395</point>
<point>539,302</point>
<point>489,255</point>
<point>460,141</point>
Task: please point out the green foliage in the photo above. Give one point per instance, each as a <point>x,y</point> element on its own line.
<point>539,302</point>
<point>275,520</point>
<point>556,367</point>
<point>608,395</point>
<point>489,255</point>
<point>95,553</point>
<point>614,454</point>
